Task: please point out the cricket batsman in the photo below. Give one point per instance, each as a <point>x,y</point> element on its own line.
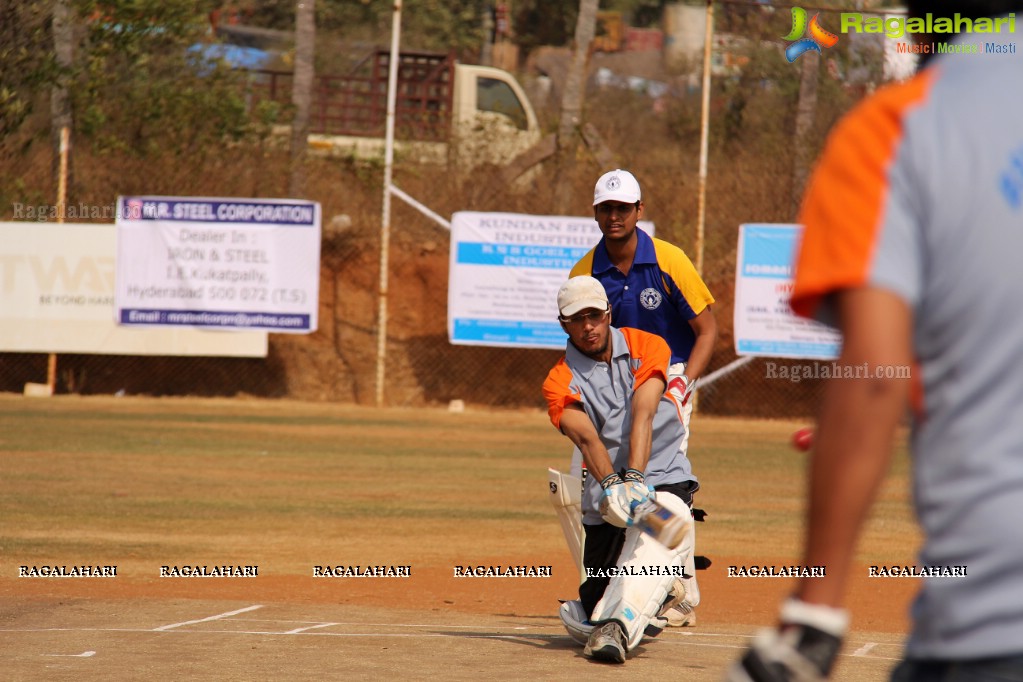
<point>607,395</point>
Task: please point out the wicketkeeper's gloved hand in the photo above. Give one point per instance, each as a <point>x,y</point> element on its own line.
<point>682,388</point>
<point>614,504</point>
<point>802,649</point>
<point>636,488</point>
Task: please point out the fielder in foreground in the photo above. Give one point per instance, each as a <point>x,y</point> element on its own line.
<point>608,396</point>
<point>913,235</point>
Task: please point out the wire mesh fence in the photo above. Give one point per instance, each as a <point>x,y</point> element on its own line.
<point>766,126</point>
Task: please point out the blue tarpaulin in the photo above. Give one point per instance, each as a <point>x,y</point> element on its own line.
<point>236,56</point>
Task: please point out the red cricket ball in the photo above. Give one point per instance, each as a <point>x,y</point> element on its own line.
<point>803,439</point>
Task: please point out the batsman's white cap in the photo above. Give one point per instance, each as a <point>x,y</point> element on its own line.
<point>580,293</point>
<point>617,185</point>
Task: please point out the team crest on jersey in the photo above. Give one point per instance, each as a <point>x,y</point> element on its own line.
<point>650,298</point>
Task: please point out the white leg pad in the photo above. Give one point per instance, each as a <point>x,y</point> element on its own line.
<point>684,414</point>
<point>573,617</point>
<point>566,497</point>
<point>692,588</point>
<point>633,600</point>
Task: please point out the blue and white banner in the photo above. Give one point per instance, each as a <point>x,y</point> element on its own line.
<point>764,323</point>
<point>218,263</point>
<point>506,269</point>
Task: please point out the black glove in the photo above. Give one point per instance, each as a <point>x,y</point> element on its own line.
<point>802,649</point>
<point>610,480</point>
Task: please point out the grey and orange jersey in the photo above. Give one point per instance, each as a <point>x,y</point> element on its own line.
<point>604,392</point>
<point>920,192</point>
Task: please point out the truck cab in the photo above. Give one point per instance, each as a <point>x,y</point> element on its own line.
<point>494,120</point>
<point>445,112</point>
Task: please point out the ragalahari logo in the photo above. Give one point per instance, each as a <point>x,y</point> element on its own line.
<point>816,35</point>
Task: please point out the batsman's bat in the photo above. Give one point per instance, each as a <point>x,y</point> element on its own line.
<point>660,523</point>
<point>566,496</point>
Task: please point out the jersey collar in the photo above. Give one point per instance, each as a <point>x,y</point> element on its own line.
<point>645,253</point>
<point>585,364</point>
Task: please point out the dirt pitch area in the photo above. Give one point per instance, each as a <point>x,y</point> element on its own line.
<point>145,484</point>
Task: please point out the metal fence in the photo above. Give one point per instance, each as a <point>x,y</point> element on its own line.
<point>648,115</point>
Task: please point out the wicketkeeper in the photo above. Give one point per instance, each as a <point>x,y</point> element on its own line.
<point>607,394</point>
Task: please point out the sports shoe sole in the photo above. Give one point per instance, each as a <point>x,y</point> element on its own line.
<point>610,652</point>
<point>606,644</point>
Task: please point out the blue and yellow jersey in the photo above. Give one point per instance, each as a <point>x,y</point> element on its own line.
<point>661,293</point>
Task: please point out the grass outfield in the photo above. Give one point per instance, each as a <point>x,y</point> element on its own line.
<point>145,483</point>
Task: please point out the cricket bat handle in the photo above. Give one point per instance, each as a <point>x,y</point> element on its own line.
<point>660,523</point>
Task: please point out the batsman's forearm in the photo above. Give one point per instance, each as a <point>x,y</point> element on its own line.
<point>639,444</point>
<point>583,434</point>
<point>645,400</point>
<point>597,459</point>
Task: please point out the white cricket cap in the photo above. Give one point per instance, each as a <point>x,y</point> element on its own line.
<point>617,185</point>
<point>580,293</point>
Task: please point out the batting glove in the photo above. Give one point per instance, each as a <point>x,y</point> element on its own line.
<point>637,488</point>
<point>614,504</point>
<point>802,649</point>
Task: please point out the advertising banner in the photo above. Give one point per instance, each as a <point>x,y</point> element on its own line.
<point>57,296</point>
<point>764,323</point>
<point>506,269</point>
<point>218,263</point>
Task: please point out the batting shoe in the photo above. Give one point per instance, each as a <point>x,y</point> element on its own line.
<point>682,615</point>
<point>607,643</point>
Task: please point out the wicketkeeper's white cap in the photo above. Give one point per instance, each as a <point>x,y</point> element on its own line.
<point>617,185</point>
<point>580,293</point>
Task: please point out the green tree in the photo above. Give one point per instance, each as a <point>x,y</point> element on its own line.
<point>426,24</point>
<point>138,89</point>
<point>26,60</point>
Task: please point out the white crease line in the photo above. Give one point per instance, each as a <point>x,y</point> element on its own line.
<point>692,633</point>
<point>86,654</point>
<point>743,646</point>
<point>420,634</point>
<point>311,627</point>
<point>398,625</point>
<point>865,649</point>
<point>204,620</point>
<point>274,620</point>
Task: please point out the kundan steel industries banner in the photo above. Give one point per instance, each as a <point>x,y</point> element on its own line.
<point>57,296</point>
<point>221,263</point>
<point>506,269</point>
<point>764,323</point>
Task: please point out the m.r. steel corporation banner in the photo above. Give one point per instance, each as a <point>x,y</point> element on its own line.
<point>219,263</point>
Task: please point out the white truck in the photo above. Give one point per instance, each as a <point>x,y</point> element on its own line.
<point>445,111</point>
